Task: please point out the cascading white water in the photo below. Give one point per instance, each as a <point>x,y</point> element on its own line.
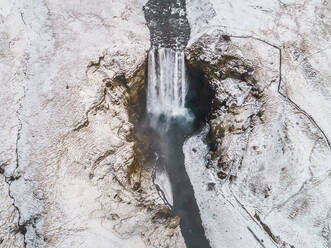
<point>167,86</point>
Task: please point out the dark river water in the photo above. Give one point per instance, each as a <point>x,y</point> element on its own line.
<point>167,22</point>
<point>184,203</point>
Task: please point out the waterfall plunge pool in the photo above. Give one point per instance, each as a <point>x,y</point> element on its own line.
<point>177,102</point>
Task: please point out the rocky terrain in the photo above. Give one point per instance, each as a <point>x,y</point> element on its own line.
<point>68,168</point>
<point>270,160</point>
<point>73,77</point>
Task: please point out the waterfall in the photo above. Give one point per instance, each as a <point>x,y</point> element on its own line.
<point>167,87</point>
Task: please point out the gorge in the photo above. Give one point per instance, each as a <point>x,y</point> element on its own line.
<point>176,108</point>
<point>165,124</point>
<point>170,114</point>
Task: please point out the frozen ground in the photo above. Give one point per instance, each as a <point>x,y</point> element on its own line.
<point>65,147</point>
<point>225,223</point>
<point>273,165</point>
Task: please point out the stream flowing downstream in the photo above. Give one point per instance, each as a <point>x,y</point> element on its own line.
<point>170,117</point>
<point>171,112</point>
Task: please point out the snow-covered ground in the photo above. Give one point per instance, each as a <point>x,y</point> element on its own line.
<point>279,159</point>
<point>65,150</point>
<point>64,129</point>
<point>225,223</point>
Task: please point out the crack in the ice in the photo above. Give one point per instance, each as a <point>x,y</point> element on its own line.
<point>21,227</point>
<point>11,178</point>
<point>22,17</point>
<point>279,85</point>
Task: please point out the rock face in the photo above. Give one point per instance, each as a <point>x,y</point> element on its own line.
<point>269,164</point>
<point>71,72</point>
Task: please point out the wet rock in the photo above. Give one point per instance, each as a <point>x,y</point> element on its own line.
<point>221,175</point>
<point>162,215</point>
<point>173,222</point>
<point>136,186</point>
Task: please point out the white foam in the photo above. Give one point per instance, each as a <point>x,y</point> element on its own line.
<point>167,86</point>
